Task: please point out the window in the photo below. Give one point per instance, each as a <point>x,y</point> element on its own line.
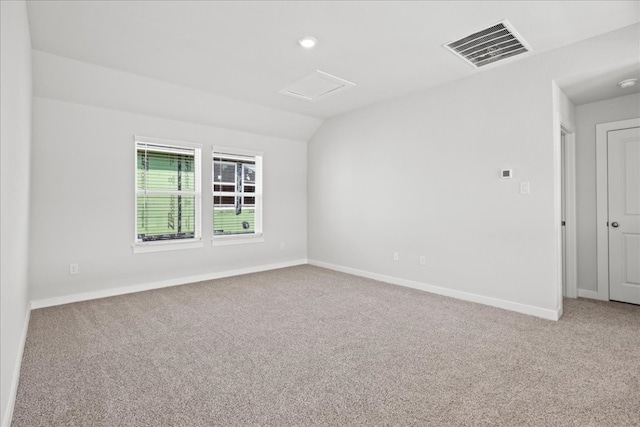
<point>168,196</point>
<point>237,195</point>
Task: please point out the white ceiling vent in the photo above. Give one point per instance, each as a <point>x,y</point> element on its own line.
<point>315,86</point>
<point>490,45</point>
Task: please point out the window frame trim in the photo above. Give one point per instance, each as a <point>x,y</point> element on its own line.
<point>258,235</point>
<point>170,244</point>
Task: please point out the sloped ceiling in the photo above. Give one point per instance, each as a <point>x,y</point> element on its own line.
<point>248,50</point>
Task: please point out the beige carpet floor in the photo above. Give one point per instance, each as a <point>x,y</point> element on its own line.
<point>308,346</point>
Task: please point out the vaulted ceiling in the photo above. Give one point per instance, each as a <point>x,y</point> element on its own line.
<point>249,51</point>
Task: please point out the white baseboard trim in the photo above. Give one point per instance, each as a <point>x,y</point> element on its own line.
<point>85,296</point>
<point>466,296</point>
<point>13,391</point>
<point>583,293</point>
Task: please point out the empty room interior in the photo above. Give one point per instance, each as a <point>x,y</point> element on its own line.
<point>320,213</point>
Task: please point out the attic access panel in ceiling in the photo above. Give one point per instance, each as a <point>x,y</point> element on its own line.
<point>316,85</point>
<point>488,46</point>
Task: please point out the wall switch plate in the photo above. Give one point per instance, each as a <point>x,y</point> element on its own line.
<point>524,188</point>
<point>396,256</point>
<point>73,269</point>
<point>423,260</point>
<point>281,245</point>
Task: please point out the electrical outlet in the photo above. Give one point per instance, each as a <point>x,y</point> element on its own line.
<point>396,256</point>
<point>73,269</point>
<point>423,260</point>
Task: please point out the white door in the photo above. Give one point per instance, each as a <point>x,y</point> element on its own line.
<point>624,214</point>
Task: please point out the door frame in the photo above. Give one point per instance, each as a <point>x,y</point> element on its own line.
<point>570,249</point>
<point>570,255</point>
<point>602,202</point>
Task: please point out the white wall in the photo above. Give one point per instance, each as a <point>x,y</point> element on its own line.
<point>587,117</point>
<point>85,117</point>
<point>15,142</point>
<point>420,175</point>
<point>83,201</point>
<point>82,195</point>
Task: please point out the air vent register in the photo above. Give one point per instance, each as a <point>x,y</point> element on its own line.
<point>490,45</point>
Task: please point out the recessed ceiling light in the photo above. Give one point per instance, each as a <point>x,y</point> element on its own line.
<point>627,83</point>
<point>307,42</point>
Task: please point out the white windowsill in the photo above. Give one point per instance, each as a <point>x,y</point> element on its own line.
<point>236,240</point>
<point>167,245</point>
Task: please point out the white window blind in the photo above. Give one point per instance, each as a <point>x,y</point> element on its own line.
<point>237,193</point>
<point>168,192</point>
